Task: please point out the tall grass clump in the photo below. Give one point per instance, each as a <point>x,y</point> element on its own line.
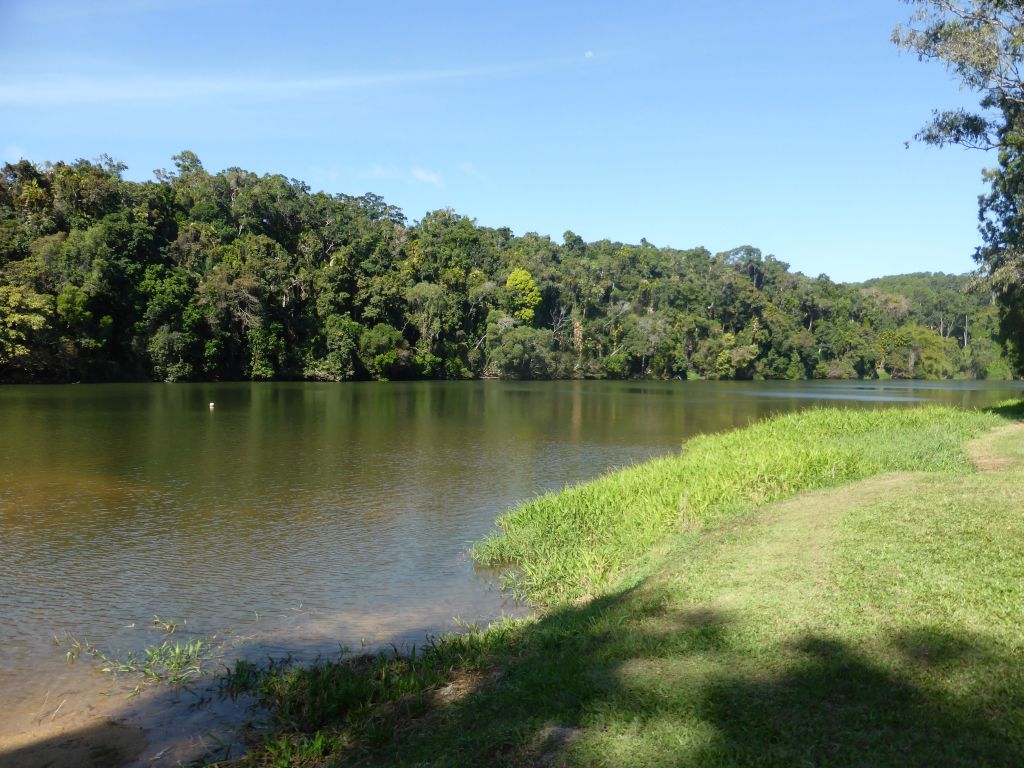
<point>576,542</point>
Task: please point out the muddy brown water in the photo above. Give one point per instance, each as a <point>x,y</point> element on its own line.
<point>294,519</point>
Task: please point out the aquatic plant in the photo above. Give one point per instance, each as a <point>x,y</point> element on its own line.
<point>167,663</point>
<point>170,626</point>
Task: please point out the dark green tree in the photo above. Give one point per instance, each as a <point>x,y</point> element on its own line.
<point>982,42</point>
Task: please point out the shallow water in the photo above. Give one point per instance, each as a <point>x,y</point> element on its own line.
<point>296,518</point>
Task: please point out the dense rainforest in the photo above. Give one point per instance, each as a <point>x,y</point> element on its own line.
<point>233,275</point>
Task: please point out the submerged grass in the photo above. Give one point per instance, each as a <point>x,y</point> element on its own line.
<point>577,542</point>
<point>166,663</point>
<point>871,624</point>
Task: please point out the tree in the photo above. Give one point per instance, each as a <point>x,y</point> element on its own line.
<point>22,313</point>
<point>982,42</point>
<point>523,294</point>
<point>383,351</point>
<point>517,351</point>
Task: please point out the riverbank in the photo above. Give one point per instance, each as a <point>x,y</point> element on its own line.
<point>828,586</point>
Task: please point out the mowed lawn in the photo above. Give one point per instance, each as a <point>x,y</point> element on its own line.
<point>878,622</point>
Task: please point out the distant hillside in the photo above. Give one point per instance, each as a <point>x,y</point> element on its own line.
<point>230,275</point>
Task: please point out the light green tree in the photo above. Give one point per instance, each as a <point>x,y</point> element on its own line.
<point>22,312</point>
<point>523,295</point>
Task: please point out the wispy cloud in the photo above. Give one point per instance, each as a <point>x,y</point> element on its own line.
<point>383,172</point>
<point>325,173</point>
<point>59,89</point>
<point>414,175</point>
<point>428,177</point>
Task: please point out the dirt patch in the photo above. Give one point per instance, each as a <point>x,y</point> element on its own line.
<point>457,689</point>
<point>463,684</point>
<point>987,454</point>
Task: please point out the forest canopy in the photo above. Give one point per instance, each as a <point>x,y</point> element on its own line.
<point>232,275</point>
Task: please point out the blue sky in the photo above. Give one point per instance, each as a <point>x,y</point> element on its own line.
<point>780,125</point>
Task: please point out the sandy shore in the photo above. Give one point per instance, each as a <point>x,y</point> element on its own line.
<point>87,721</point>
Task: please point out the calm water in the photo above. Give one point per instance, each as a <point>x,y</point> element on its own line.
<point>297,517</point>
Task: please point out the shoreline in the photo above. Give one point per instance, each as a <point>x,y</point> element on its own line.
<point>95,719</point>
<point>96,722</point>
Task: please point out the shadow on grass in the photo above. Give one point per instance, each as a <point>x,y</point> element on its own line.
<point>559,692</point>
<point>1012,410</point>
<point>563,691</point>
<point>837,707</point>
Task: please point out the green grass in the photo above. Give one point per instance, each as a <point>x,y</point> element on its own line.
<point>873,622</point>
<point>876,625</point>
<point>329,706</point>
<point>579,541</point>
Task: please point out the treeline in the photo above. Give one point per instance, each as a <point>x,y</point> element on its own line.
<point>201,276</point>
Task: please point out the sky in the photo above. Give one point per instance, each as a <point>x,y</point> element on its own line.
<point>780,125</point>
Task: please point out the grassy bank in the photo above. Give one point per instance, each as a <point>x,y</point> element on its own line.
<point>870,617</point>
<point>581,540</point>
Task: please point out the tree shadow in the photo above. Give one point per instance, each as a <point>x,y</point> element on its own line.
<point>98,745</point>
<point>837,706</point>
<point>1012,410</point>
<point>105,727</point>
<point>530,708</point>
<point>918,697</point>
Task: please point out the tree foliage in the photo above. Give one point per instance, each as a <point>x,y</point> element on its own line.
<point>231,275</point>
<point>982,42</point>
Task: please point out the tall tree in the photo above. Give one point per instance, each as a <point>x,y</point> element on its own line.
<point>982,42</point>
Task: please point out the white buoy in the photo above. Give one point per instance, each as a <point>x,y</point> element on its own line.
<point>211,406</point>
